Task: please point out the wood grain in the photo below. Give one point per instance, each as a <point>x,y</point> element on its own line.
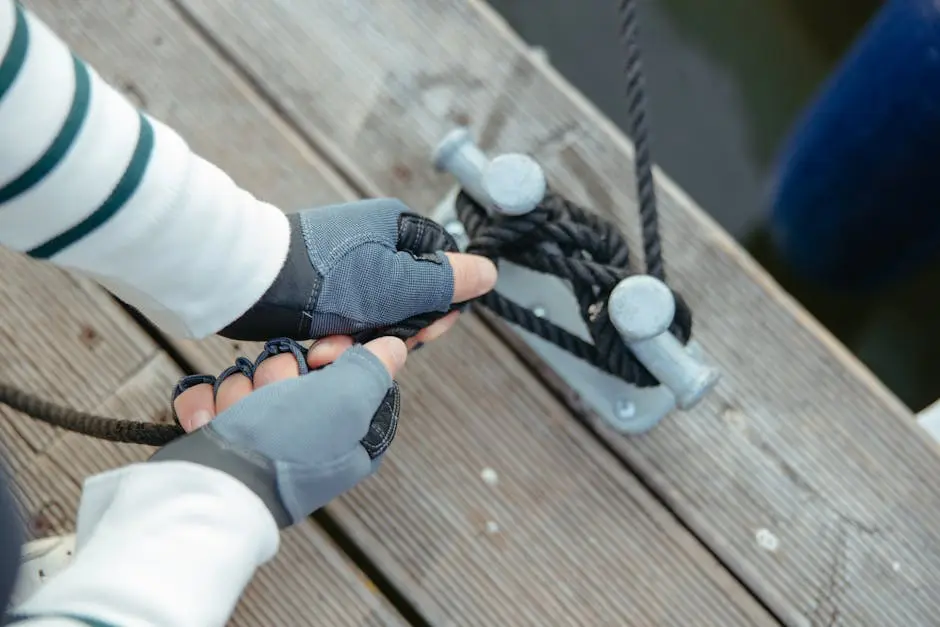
<point>576,538</point>
<point>800,443</point>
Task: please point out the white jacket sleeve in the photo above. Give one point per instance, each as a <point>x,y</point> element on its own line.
<point>93,185</point>
<point>168,544</point>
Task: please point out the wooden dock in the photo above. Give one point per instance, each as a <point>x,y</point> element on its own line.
<point>800,493</point>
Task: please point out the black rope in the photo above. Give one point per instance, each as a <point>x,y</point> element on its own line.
<point>562,239</point>
<point>128,431</point>
<point>635,89</point>
<point>558,238</point>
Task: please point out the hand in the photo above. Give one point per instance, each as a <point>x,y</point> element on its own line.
<point>365,269</point>
<point>297,438</point>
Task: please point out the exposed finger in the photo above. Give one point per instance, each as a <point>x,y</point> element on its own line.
<point>391,351</point>
<point>195,407</point>
<point>327,350</point>
<point>276,368</point>
<point>474,276</point>
<point>434,330</point>
<point>233,389</point>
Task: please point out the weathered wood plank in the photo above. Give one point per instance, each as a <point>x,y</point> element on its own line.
<point>428,518</point>
<point>799,439</point>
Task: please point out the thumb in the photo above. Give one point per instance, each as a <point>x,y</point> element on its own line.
<point>391,351</point>
<point>474,276</point>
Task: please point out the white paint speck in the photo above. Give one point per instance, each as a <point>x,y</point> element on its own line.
<point>767,540</point>
<point>492,527</point>
<point>489,476</point>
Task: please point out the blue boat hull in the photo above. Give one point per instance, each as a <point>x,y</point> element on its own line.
<point>856,200</point>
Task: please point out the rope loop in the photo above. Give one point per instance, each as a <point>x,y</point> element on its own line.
<point>587,251</point>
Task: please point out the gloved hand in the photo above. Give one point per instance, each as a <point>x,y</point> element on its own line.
<point>367,269</point>
<point>301,441</point>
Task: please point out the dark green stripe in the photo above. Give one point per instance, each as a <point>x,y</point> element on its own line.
<point>16,53</point>
<point>122,192</point>
<point>63,141</point>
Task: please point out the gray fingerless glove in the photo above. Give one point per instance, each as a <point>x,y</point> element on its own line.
<point>365,269</point>
<point>299,443</point>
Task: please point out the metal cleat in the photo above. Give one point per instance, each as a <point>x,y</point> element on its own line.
<point>641,307</point>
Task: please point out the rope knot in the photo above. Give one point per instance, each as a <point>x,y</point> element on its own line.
<point>565,240</point>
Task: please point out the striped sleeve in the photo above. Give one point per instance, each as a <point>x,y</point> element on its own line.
<point>93,185</point>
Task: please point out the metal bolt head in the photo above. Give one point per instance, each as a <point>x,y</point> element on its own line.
<point>641,307</point>
<point>624,409</point>
<point>515,183</point>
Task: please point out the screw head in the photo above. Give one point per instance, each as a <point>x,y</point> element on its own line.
<point>624,409</point>
<point>515,183</point>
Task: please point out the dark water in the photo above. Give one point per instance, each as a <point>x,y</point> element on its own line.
<point>726,79</point>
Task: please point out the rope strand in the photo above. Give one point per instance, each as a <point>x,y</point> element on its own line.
<point>128,431</point>
<point>635,89</point>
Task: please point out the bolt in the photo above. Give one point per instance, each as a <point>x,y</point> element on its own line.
<point>539,311</point>
<point>515,184</point>
<point>624,409</point>
<point>512,184</point>
<point>642,308</point>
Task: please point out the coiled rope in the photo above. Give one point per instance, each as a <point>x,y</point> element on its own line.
<point>558,238</point>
